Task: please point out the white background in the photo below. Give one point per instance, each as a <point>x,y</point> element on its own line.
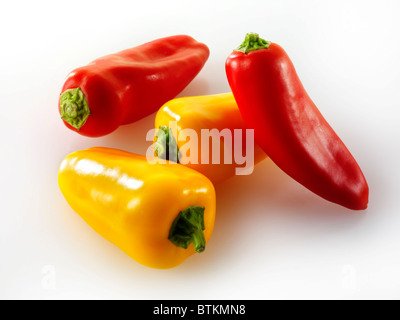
<point>273,239</point>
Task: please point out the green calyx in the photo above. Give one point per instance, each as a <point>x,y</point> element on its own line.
<point>165,145</point>
<point>252,42</point>
<point>74,107</point>
<point>188,227</point>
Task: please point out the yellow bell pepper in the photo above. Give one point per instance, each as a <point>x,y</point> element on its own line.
<point>159,214</point>
<point>197,113</point>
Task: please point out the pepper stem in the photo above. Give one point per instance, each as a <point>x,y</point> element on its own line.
<point>165,146</point>
<point>188,227</point>
<point>252,42</point>
<point>74,107</point>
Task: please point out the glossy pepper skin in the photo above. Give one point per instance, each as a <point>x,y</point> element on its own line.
<point>217,111</point>
<point>138,206</point>
<point>124,87</point>
<point>288,125</point>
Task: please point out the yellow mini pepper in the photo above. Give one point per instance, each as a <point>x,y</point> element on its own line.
<point>159,214</point>
<point>209,112</point>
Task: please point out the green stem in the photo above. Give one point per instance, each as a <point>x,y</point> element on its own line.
<point>199,242</point>
<point>74,107</point>
<point>165,145</point>
<point>252,42</point>
<point>188,228</point>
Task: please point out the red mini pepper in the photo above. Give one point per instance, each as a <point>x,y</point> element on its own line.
<point>289,127</point>
<point>126,86</point>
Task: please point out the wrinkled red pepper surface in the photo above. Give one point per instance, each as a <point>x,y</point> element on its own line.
<point>289,127</point>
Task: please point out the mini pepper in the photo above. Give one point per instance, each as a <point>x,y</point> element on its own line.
<point>124,87</point>
<point>289,127</point>
<point>159,214</point>
<point>198,113</point>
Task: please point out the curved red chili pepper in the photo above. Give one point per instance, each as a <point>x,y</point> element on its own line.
<point>288,125</point>
<point>126,86</point>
